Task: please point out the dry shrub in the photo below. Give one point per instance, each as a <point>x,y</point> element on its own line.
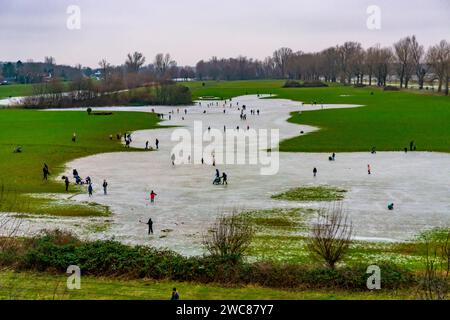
<point>229,237</point>
<point>435,283</point>
<point>331,235</point>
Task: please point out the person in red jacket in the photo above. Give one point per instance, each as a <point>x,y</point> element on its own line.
<point>152,196</point>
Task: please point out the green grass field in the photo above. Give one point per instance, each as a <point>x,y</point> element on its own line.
<point>15,90</point>
<point>42,286</point>
<point>389,120</point>
<point>46,138</point>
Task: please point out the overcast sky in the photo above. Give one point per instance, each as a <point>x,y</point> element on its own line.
<point>191,30</point>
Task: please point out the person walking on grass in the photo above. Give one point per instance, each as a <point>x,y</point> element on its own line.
<point>74,137</point>
<point>45,171</point>
<point>105,186</point>
<point>175,295</point>
<point>90,189</point>
<point>66,182</point>
<point>152,197</point>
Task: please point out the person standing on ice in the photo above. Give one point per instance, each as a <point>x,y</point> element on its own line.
<point>90,189</point>
<point>152,197</point>
<point>224,178</point>
<point>150,226</point>
<point>157,144</point>
<point>315,172</point>
<point>105,186</point>
<point>173,159</point>
<point>369,171</point>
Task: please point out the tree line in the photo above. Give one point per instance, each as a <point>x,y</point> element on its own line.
<point>114,85</point>
<point>406,61</point>
<point>349,63</point>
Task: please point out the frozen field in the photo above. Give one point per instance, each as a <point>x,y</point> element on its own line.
<point>187,203</point>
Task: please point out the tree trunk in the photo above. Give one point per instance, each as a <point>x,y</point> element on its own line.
<point>446,85</point>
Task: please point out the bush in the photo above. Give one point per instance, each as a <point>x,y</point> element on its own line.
<point>391,88</point>
<point>229,237</point>
<point>55,251</point>
<point>330,235</point>
<point>165,93</point>
<point>291,84</point>
<point>305,84</point>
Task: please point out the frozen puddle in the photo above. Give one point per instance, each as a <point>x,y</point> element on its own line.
<point>187,202</point>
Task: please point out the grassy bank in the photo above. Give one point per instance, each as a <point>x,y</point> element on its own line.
<point>15,90</point>
<point>389,120</point>
<point>45,286</point>
<point>45,137</point>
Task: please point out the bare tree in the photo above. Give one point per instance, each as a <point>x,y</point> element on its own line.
<point>134,62</point>
<point>417,55</point>
<point>384,58</point>
<point>370,62</point>
<point>403,54</point>
<point>330,64</point>
<point>438,58</point>
<point>105,66</point>
<point>281,58</point>
<point>163,63</point>
<point>331,235</point>
<point>49,63</point>
<point>349,56</point>
<point>434,284</point>
<point>229,237</point>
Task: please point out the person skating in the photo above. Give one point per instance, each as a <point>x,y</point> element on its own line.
<point>315,171</point>
<point>157,144</point>
<point>224,178</point>
<point>173,159</point>
<point>369,171</point>
<point>105,187</point>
